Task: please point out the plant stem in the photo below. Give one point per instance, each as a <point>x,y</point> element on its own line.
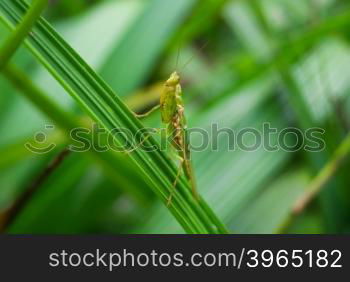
<point>38,98</point>
<point>16,38</point>
<point>11,214</point>
<point>324,176</point>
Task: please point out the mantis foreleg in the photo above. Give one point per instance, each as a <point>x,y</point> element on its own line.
<point>147,113</point>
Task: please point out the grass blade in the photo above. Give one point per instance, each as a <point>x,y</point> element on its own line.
<point>14,41</point>
<point>105,107</point>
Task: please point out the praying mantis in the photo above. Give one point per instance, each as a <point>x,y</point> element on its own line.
<point>172,114</point>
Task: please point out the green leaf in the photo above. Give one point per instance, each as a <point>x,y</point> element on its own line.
<point>104,106</point>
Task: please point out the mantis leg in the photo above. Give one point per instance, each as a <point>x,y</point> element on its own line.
<point>176,180</point>
<point>147,113</point>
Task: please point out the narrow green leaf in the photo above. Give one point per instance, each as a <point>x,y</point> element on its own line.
<point>104,106</point>
<point>22,30</point>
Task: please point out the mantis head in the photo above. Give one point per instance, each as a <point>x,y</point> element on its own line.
<point>173,80</point>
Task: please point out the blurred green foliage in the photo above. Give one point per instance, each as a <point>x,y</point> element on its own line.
<point>285,62</point>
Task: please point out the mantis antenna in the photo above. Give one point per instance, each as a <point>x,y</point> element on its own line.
<point>177,57</point>
<point>192,57</point>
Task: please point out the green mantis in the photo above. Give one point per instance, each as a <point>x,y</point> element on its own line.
<point>172,113</point>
